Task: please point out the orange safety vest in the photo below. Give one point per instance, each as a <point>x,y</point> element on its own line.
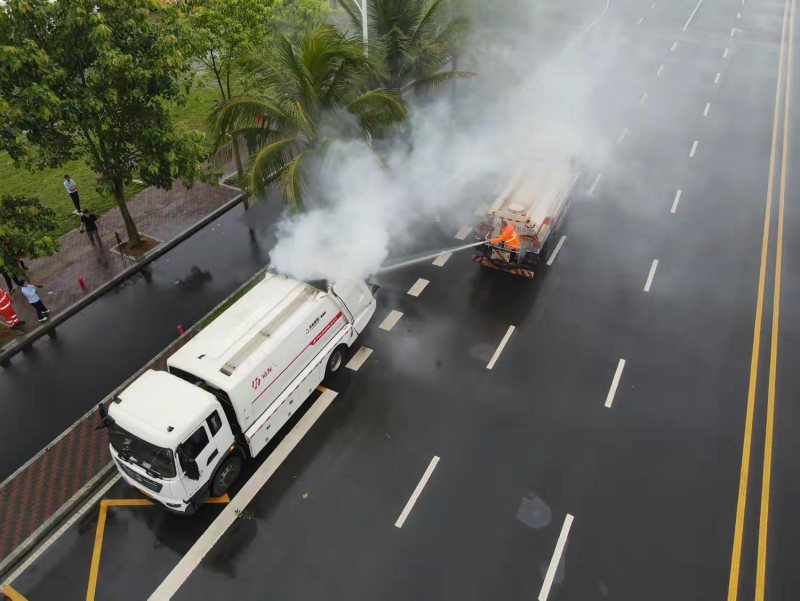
<point>509,236</point>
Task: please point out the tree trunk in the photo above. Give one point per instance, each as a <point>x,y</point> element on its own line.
<point>240,173</point>
<point>134,239</point>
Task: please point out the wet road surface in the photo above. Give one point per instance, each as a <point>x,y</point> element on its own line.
<point>646,474</point>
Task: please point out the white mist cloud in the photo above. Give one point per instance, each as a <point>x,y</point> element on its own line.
<point>464,147</point>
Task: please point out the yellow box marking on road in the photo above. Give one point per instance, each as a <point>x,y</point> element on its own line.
<point>13,594</point>
<point>763,526</point>
<point>94,567</point>
<point>741,505</point>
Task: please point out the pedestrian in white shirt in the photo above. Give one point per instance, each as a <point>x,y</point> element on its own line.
<point>72,189</point>
<point>29,292</point>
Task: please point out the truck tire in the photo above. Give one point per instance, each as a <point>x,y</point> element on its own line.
<point>226,475</point>
<point>336,360</point>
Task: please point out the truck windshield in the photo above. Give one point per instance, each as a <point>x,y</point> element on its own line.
<point>160,462</point>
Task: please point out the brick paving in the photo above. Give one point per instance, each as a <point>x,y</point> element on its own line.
<point>160,214</point>
<point>33,495</point>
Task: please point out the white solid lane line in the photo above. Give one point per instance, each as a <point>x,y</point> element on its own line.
<point>463,232</point>
<point>622,136</point>
<point>359,358</point>
<point>651,275</point>
<point>556,250</point>
<point>594,184</point>
<point>591,25</point>
<point>643,99</point>
<point>693,150</point>
<point>676,201</point>
<point>417,491</point>
<point>660,69</point>
<point>418,287</point>
<point>717,78</point>
<point>442,259</point>
<point>708,108</point>
<point>390,321</point>
<point>694,12</point>
<point>230,512</point>
<point>500,348</point>
<point>612,392</point>
<point>556,559</point>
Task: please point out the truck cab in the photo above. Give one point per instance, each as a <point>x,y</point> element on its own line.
<point>165,436</point>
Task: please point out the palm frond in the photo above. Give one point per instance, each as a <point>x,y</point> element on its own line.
<point>436,80</point>
<point>268,165</point>
<point>294,182</point>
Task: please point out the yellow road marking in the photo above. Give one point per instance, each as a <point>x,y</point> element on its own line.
<point>321,389</point>
<point>741,504</point>
<point>761,563</point>
<point>13,594</point>
<point>94,568</point>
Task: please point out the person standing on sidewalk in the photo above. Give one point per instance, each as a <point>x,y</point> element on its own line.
<point>7,310</point>
<point>89,225</point>
<point>72,189</point>
<point>29,292</point>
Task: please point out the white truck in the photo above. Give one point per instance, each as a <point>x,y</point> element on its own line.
<point>535,202</point>
<point>182,435</point>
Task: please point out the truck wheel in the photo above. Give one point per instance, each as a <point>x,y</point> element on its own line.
<point>226,475</point>
<point>336,360</point>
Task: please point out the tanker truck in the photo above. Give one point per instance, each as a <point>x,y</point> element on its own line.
<point>184,434</point>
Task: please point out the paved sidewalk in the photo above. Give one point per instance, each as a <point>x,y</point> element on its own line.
<point>159,214</point>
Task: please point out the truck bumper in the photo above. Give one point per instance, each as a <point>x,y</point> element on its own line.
<point>178,506</point>
<point>512,268</point>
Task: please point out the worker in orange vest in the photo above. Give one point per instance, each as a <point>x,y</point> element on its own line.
<point>7,310</point>
<point>508,234</point>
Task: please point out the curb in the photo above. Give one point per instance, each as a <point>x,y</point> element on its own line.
<point>25,343</point>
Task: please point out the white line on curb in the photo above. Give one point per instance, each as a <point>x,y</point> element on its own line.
<point>390,321</point>
<point>594,184</point>
<point>612,391</point>
<point>442,259</point>
<point>694,12</point>
<point>463,232</point>
<point>556,559</point>
<point>417,491</point>
<point>359,358</point>
<point>676,201</point>
<point>556,251</point>
<point>500,348</point>
<point>651,275</point>
<point>418,287</point>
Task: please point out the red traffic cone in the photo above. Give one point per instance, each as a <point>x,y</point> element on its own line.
<point>82,282</point>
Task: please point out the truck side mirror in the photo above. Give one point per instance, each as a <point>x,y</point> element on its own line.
<point>106,420</point>
<point>189,466</point>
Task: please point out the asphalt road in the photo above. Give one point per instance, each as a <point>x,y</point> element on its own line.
<point>650,485</point>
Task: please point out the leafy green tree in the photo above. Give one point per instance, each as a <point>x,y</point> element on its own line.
<point>92,79</point>
<point>26,230</point>
<point>414,40</point>
<point>305,90</point>
<point>222,31</point>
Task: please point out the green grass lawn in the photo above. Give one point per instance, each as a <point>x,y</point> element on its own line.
<point>48,185</point>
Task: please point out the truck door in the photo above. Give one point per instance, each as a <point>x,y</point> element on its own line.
<point>199,448</point>
<point>356,296</point>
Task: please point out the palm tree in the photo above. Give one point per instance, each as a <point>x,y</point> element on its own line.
<point>414,40</point>
<point>319,75</point>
